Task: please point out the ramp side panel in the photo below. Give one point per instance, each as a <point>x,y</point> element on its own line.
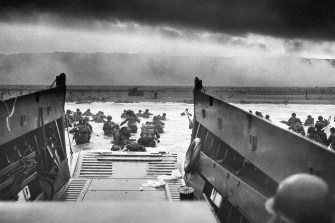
<point>250,202</point>
<point>254,138</point>
<point>26,112</point>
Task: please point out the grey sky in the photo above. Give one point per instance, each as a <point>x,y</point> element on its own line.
<point>195,28</point>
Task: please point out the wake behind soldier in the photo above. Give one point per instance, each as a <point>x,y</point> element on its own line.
<point>107,128</point>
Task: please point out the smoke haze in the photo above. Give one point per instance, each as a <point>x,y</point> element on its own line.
<point>157,70</point>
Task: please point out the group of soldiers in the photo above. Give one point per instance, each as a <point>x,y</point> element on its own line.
<point>315,131</point>
<point>150,131</point>
<point>149,136</point>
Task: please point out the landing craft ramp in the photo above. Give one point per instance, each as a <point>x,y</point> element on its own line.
<point>118,176</point>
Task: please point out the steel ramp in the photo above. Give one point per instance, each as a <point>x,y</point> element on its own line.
<point>118,176</point>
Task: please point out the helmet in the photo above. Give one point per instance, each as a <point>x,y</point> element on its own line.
<point>309,116</point>
<point>320,118</point>
<point>293,114</point>
<point>164,114</point>
<point>129,112</point>
<point>109,117</point>
<point>68,111</point>
<point>318,126</point>
<point>302,198</point>
<point>139,110</point>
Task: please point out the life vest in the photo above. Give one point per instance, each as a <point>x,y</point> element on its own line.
<point>192,155</point>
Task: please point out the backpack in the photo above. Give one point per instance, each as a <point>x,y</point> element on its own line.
<point>135,147</point>
<point>148,131</point>
<point>83,130</point>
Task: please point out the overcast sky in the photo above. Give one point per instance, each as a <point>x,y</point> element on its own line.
<point>266,28</point>
<point>216,28</point>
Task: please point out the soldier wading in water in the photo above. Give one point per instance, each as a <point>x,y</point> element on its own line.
<point>82,133</point>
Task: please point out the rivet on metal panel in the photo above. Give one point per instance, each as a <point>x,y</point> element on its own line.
<point>228,175</point>
<point>213,165</point>
<point>203,113</point>
<point>220,123</point>
<point>253,142</point>
<point>238,183</point>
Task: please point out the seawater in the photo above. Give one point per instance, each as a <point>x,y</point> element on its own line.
<point>177,135</point>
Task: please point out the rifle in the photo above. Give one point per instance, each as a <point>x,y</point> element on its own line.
<point>190,125</point>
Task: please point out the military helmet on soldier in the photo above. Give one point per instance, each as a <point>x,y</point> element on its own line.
<point>302,198</point>
<point>109,117</point>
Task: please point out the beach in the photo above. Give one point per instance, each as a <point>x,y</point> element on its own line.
<point>184,94</point>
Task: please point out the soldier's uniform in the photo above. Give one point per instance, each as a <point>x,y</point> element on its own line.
<point>132,120</point>
<point>149,135</point>
<point>107,128</point>
<point>82,133</point>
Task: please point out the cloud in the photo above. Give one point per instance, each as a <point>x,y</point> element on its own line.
<point>290,19</point>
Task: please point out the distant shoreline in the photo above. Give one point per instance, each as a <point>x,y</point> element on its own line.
<point>183,94</point>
